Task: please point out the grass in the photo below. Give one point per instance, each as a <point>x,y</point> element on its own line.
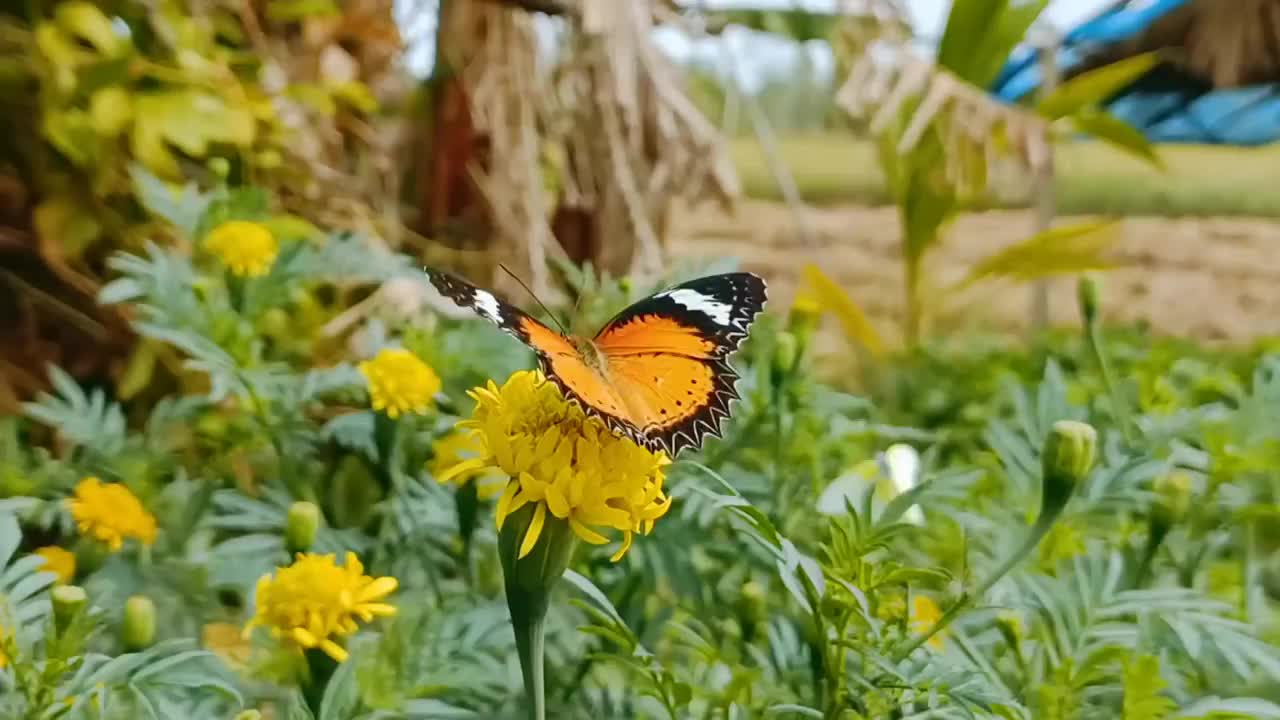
<point>1198,180</point>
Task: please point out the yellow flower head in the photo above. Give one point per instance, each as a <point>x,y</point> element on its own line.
<point>569,464</point>
<point>227,642</point>
<point>399,382</point>
<point>459,446</point>
<point>246,248</point>
<point>59,561</point>
<point>111,513</point>
<point>315,600</point>
<point>925,613</point>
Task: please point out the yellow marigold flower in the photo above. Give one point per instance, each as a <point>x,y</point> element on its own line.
<point>314,601</point>
<point>227,642</point>
<point>59,561</point>
<point>399,382</point>
<point>246,248</point>
<point>569,464</point>
<point>110,512</point>
<point>460,446</point>
<point>925,613</point>
<point>4,641</point>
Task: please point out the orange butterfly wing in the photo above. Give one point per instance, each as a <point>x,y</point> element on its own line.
<point>563,364</point>
<point>667,357</point>
<point>666,382</point>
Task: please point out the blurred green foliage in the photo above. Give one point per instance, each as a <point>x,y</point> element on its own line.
<point>796,574</point>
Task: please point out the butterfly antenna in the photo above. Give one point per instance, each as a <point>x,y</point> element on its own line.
<point>536,299</point>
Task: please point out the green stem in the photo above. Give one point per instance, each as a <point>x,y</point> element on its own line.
<point>235,291</point>
<point>320,669</point>
<point>386,432</point>
<point>911,318</point>
<point>529,619</point>
<point>467,504</point>
<point>1118,407</point>
<point>528,581</point>
<point>1037,533</point>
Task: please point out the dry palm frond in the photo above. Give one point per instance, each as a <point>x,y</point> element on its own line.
<point>610,109</point>
<point>890,80</point>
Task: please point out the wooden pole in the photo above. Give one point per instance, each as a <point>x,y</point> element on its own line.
<point>1044,184</point>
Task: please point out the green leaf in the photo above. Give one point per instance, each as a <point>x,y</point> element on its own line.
<point>1058,251</point>
<point>183,207</point>
<point>1142,686</point>
<point>1112,130</point>
<point>1095,86</point>
<point>189,120</point>
<point>980,34</point>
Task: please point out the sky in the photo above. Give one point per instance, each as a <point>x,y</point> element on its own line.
<point>752,56</point>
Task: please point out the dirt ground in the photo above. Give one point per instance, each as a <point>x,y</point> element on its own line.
<point>1212,279</point>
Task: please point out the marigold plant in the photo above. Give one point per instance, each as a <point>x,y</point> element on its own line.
<point>315,602</point>
<point>111,513</point>
<point>567,463</point>
<point>246,248</point>
<point>399,382</point>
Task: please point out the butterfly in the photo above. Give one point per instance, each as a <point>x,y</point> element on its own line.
<point>658,372</point>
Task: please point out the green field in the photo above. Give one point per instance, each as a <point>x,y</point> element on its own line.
<point>1197,180</point>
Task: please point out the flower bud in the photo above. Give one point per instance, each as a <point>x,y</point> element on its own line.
<point>752,604</point>
<point>1011,627</point>
<point>1087,290</point>
<point>249,715</point>
<point>1069,452</point>
<point>1173,500</point>
<point>139,628</point>
<point>803,318</point>
<point>301,526</point>
<point>784,354</point>
<point>68,602</point>
<point>219,166</point>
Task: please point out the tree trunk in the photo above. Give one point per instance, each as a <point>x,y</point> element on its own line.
<point>450,206</point>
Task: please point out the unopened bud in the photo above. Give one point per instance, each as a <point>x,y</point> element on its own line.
<point>1173,500</point>
<point>751,603</point>
<point>1069,452</point>
<point>1087,289</point>
<point>139,628</point>
<point>249,715</point>
<point>219,166</point>
<point>301,526</point>
<point>804,315</point>
<point>785,351</point>
<point>68,602</point>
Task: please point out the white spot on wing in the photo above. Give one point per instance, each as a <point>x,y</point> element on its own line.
<point>718,312</point>
<point>488,306</point>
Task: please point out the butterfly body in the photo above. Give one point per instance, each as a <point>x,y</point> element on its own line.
<point>658,371</point>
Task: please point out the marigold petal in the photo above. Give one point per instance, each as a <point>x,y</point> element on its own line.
<point>304,637</point>
<point>587,533</point>
<point>556,502</point>
<point>534,531</point>
<point>334,650</point>
<point>504,503</point>
<point>626,545</point>
<point>378,589</point>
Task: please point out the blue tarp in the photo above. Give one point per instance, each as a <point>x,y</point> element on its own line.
<point>1166,106</point>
